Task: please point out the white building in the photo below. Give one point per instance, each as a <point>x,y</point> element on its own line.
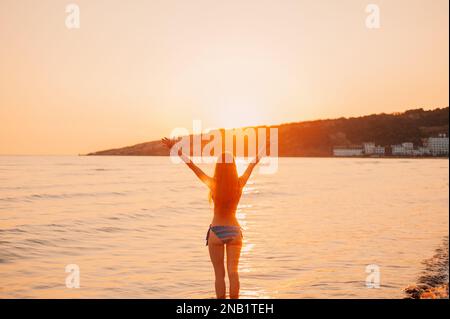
<point>379,150</point>
<point>369,148</point>
<point>438,146</point>
<point>397,150</point>
<point>423,151</point>
<point>403,149</point>
<point>408,146</point>
<point>346,151</point>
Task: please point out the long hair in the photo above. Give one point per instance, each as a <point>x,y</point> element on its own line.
<point>226,181</point>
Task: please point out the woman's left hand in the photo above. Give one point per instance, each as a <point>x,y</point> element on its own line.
<point>168,143</point>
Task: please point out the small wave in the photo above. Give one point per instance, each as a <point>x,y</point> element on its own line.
<point>46,196</point>
<point>105,169</point>
<point>365,162</point>
<point>12,230</point>
<point>8,257</point>
<point>37,241</point>
<point>109,229</point>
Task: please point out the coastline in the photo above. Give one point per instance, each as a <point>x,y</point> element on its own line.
<point>319,138</point>
<point>288,156</point>
<point>433,282</point>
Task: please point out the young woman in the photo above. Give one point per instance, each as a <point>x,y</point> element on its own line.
<point>224,233</point>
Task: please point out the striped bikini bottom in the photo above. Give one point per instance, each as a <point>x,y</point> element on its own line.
<point>224,233</point>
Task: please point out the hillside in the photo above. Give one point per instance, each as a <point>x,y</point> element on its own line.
<point>317,138</point>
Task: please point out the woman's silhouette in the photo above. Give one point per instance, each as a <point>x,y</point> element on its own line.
<point>224,232</point>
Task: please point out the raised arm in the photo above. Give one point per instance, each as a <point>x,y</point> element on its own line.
<point>200,174</point>
<point>244,177</point>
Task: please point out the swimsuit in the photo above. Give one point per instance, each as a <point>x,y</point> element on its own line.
<point>224,233</point>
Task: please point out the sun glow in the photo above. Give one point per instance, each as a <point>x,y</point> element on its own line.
<point>240,115</point>
<point>226,63</point>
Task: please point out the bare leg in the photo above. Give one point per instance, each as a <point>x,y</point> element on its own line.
<point>233,254</point>
<point>216,253</point>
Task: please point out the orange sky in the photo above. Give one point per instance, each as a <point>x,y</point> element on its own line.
<point>137,69</point>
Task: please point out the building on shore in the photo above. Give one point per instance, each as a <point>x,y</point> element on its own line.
<point>369,148</point>
<point>432,146</point>
<point>422,151</point>
<point>404,149</point>
<point>379,150</point>
<point>346,151</point>
<point>437,146</point>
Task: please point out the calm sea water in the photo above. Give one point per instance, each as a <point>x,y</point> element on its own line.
<point>136,226</point>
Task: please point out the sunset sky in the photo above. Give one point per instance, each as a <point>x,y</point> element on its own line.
<point>135,70</point>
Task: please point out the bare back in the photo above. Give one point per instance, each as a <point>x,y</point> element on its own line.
<point>225,210</point>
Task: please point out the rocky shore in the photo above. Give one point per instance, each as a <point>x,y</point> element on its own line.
<point>433,283</point>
